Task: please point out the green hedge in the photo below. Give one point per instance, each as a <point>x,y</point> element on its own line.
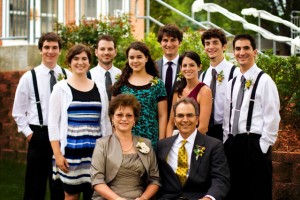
<point>285,71</point>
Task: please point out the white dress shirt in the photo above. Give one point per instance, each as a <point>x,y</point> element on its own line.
<point>224,66</point>
<point>172,158</point>
<point>24,109</point>
<point>165,67</point>
<point>98,74</point>
<point>265,118</point>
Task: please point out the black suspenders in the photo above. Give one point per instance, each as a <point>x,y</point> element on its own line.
<point>251,104</point>
<point>37,96</point>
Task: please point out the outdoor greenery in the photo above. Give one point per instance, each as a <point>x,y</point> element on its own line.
<point>285,71</point>
<point>88,31</point>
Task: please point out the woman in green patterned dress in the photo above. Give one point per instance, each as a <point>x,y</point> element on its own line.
<point>140,78</point>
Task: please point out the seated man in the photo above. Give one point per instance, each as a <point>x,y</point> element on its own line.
<point>191,165</point>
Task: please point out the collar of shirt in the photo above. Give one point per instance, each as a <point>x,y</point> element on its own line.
<point>45,70</point>
<point>250,72</point>
<point>175,60</point>
<point>102,70</point>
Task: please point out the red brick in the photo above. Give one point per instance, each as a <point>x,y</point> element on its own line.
<point>286,191</point>
<point>17,143</point>
<point>22,156</point>
<point>288,157</point>
<point>296,174</point>
<point>8,154</point>
<point>4,142</point>
<point>281,172</point>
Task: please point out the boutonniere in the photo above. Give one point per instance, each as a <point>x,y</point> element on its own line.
<point>142,147</point>
<point>220,76</point>
<point>154,81</point>
<point>117,77</point>
<point>199,151</point>
<point>179,76</point>
<point>60,77</point>
<point>248,83</point>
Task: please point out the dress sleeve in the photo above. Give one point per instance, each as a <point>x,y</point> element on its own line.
<point>97,169</point>
<point>161,93</point>
<point>153,167</point>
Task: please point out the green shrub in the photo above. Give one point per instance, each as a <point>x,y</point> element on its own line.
<point>88,31</point>
<point>286,74</point>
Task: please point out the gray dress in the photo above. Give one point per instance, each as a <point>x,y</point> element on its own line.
<point>129,182</point>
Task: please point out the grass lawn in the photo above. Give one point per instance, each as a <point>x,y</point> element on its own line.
<point>12,177</point>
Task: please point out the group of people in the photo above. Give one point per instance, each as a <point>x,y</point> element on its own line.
<point>153,130</point>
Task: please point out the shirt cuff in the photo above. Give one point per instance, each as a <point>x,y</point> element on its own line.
<point>27,131</point>
<point>209,196</point>
<point>264,147</point>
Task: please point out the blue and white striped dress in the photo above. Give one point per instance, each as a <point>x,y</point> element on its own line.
<point>83,130</point>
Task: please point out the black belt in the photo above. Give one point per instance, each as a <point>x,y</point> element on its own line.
<point>248,134</point>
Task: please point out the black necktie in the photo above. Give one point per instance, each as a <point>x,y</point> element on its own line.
<point>169,76</point>
<point>52,80</point>
<point>213,91</point>
<point>108,84</point>
<point>238,106</point>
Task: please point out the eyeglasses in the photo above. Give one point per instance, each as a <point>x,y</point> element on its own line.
<point>120,116</point>
<point>188,115</point>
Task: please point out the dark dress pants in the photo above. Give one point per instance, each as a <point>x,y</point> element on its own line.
<point>39,167</point>
<point>250,168</point>
<point>216,131</point>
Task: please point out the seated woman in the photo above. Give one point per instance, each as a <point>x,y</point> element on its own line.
<point>188,85</point>
<point>124,165</point>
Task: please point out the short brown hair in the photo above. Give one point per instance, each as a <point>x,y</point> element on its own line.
<point>170,30</point>
<point>52,37</point>
<point>122,101</point>
<point>78,49</point>
<point>106,38</point>
<point>187,100</point>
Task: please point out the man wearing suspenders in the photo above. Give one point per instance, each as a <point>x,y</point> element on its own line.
<point>30,111</point>
<point>216,76</point>
<point>251,123</point>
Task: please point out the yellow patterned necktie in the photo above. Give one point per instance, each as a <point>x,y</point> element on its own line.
<point>182,168</point>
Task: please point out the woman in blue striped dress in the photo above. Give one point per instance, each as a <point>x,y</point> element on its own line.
<point>78,115</point>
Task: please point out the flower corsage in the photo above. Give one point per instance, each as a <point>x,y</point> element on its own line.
<point>220,76</point>
<point>154,81</point>
<point>179,76</point>
<point>248,84</point>
<point>142,147</point>
<point>60,77</point>
<point>117,77</point>
<point>199,151</point>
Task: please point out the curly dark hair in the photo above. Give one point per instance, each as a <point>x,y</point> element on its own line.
<point>51,37</point>
<point>180,85</point>
<point>170,30</point>
<point>75,50</point>
<point>151,67</point>
<point>122,101</point>
<point>214,33</point>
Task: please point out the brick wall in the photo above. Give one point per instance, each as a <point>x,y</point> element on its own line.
<point>13,145</point>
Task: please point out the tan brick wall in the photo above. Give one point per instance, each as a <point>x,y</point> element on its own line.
<point>0,21</point>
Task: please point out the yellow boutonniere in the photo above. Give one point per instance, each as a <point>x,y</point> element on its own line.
<point>142,147</point>
<point>60,77</point>
<point>179,76</point>
<point>220,76</point>
<point>117,77</point>
<point>248,83</point>
<point>154,81</point>
<point>199,151</point>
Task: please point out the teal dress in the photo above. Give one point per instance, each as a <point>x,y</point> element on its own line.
<point>148,95</point>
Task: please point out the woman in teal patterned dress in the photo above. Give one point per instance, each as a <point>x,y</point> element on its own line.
<point>140,78</point>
